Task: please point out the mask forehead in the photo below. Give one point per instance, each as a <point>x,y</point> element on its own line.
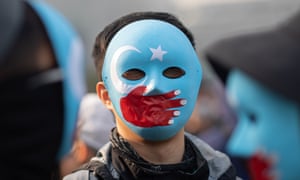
<point>152,46</point>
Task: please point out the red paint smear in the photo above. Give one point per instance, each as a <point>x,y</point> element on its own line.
<point>148,111</point>
<point>259,167</point>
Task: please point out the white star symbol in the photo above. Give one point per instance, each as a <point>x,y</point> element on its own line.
<point>157,53</point>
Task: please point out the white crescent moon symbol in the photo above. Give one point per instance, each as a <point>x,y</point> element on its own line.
<point>118,84</point>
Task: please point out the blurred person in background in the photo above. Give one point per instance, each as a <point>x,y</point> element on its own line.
<point>262,77</point>
<point>42,82</point>
<point>94,124</point>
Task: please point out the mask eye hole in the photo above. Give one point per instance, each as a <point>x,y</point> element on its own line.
<point>133,74</point>
<point>173,72</point>
<point>252,117</point>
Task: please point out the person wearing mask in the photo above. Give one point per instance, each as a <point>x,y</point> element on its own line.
<point>261,74</point>
<point>149,77</point>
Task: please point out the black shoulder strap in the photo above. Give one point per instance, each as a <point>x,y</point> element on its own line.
<point>97,169</point>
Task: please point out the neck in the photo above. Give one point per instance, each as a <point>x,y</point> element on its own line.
<point>169,151</point>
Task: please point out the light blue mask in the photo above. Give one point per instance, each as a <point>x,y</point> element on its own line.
<point>266,122</point>
<point>155,107</point>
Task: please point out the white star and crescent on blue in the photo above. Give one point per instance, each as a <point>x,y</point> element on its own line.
<point>157,53</point>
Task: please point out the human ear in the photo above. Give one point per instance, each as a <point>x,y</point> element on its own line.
<point>103,95</point>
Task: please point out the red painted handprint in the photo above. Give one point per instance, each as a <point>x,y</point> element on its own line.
<point>149,111</point>
<point>260,167</point>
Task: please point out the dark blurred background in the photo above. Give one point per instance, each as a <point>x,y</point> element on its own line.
<point>209,20</point>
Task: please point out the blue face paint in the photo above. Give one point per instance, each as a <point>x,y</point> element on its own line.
<point>267,122</point>
<point>163,104</point>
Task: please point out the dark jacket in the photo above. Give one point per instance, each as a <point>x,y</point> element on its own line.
<point>202,162</point>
